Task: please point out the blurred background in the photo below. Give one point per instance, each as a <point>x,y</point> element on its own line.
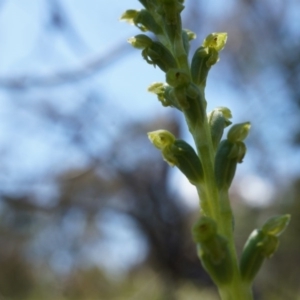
<point>88,209</point>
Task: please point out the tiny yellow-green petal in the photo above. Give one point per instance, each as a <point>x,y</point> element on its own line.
<point>216,40</point>
<point>161,138</point>
<point>129,15</point>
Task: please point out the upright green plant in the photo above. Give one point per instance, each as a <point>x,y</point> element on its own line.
<point>211,169</point>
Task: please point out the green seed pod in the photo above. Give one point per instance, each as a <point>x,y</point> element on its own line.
<point>145,22</point>
<point>212,249</point>
<point>178,153</point>
<point>259,246</point>
<point>158,54</point>
<point>218,119</point>
<point>202,61</point>
<point>227,157</point>
<point>187,161</point>
<point>140,41</point>
<point>206,56</point>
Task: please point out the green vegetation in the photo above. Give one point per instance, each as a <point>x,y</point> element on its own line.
<point>212,169</point>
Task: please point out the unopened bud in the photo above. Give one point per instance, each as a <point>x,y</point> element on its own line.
<point>218,119</point>
<point>202,61</point>
<point>129,15</point>
<point>258,247</point>
<point>261,244</point>
<point>145,22</point>
<point>158,55</point>
<point>238,132</point>
<point>227,157</point>
<point>140,41</point>
<point>186,160</point>
<point>276,225</point>
<point>178,153</point>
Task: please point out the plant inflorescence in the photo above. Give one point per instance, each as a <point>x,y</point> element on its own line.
<point>211,167</point>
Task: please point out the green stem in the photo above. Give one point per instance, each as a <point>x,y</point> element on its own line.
<point>208,191</point>
<point>236,290</point>
<point>216,204</point>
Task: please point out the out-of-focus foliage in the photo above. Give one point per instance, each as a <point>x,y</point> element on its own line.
<point>88,168</point>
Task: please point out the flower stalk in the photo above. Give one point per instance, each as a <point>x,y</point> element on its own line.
<point>211,167</point>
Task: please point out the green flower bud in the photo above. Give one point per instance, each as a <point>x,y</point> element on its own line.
<point>129,15</point>
<point>238,132</point>
<point>145,22</point>
<point>158,54</point>
<point>202,61</point>
<point>227,157</point>
<point>259,246</point>
<point>276,225</point>
<point>218,119</point>
<point>206,56</point>
<point>178,153</point>
<point>213,250</point>
<point>161,138</point>
<point>186,160</point>
<point>165,94</point>
<point>216,40</point>
<point>140,41</point>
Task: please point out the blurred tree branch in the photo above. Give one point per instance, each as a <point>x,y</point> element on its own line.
<point>87,69</point>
